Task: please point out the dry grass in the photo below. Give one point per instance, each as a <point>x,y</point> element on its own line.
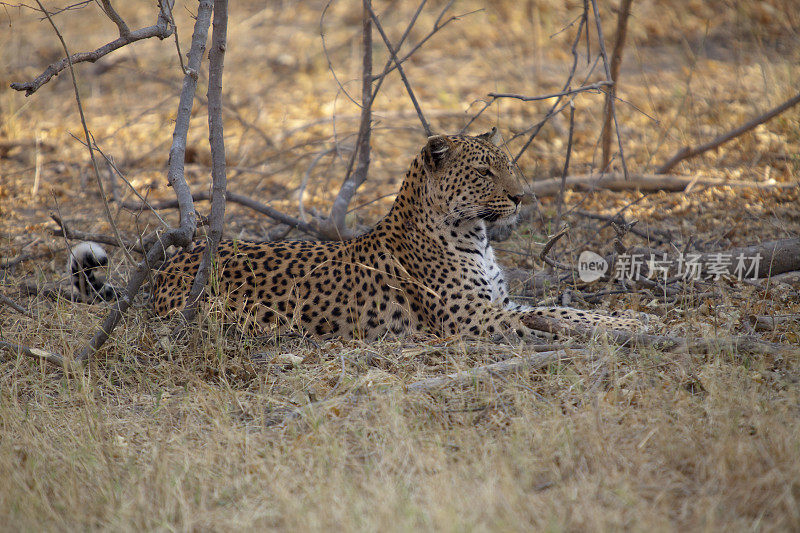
<point>195,435</point>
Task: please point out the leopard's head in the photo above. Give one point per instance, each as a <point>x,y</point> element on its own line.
<point>470,178</point>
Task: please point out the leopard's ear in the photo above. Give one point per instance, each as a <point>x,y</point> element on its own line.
<point>437,152</point>
<point>493,136</point>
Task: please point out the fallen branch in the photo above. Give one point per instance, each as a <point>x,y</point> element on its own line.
<point>532,361</point>
<point>54,291</point>
<point>5,300</point>
<point>644,182</point>
<point>33,352</point>
<point>21,258</point>
<point>160,29</point>
<point>686,152</point>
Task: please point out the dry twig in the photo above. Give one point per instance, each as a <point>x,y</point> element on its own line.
<point>393,54</point>
<point>612,106</point>
<point>616,59</point>
<point>565,89</point>
<point>5,300</point>
<point>33,352</point>
<point>160,29</point>
<point>560,202</point>
<point>686,152</point>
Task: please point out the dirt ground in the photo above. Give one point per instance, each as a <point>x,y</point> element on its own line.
<point>218,431</point>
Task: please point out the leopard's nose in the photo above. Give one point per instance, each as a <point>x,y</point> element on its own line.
<point>516,198</point>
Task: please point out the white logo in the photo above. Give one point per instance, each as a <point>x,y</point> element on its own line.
<point>591,266</point>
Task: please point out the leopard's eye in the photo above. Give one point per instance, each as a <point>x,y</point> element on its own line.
<point>483,171</point>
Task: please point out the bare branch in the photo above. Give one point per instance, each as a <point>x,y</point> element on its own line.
<point>182,235</point>
<point>124,31</point>
<point>606,66</point>
<point>687,152</point>
<point>438,25</point>
<point>616,60</point>
<point>393,55</point>
<point>66,231</point>
<point>593,87</point>
<point>160,29</point>
<point>552,111</point>
<point>335,228</point>
<point>216,57</point>
<point>560,204</point>
<point>33,352</point>
<point>5,300</point>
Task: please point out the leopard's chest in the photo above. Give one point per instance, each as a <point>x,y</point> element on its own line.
<point>480,271</point>
<point>493,275</point>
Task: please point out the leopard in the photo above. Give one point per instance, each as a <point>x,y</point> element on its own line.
<point>426,267</point>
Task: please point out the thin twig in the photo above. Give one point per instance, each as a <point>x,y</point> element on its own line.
<point>236,198</point>
<point>549,245</point>
<point>607,67</point>
<point>306,176</point>
<point>335,228</point>
<point>33,352</point>
<point>380,79</point>
<point>437,26</point>
<point>160,29</point>
<point>5,300</point>
<point>593,87</point>
<point>616,60</point>
<point>686,152</point>
<point>551,111</point>
<point>403,76</point>
<point>73,234</point>
<point>560,202</point>
<point>124,31</point>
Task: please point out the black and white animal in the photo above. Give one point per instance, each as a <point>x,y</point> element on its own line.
<point>87,264</point>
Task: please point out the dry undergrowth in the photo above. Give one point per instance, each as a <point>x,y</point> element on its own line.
<point>219,432</point>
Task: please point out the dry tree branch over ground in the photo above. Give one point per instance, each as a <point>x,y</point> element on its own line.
<point>324,103</point>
